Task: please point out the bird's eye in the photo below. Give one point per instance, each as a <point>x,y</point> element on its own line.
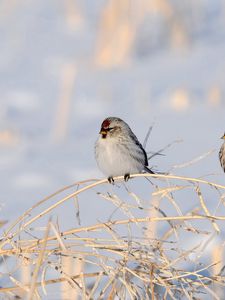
<point>110,128</point>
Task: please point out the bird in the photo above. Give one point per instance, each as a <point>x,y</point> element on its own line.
<point>222,154</point>
<point>118,151</point>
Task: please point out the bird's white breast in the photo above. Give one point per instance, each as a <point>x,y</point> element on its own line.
<point>114,159</point>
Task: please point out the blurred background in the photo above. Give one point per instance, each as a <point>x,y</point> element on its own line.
<point>66,65</point>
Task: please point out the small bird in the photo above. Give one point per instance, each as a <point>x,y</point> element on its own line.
<point>118,151</point>
<point>222,153</point>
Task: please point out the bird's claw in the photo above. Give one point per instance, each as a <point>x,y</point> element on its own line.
<point>126,177</point>
<point>111,180</point>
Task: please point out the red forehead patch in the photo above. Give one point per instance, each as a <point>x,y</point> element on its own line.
<point>105,123</point>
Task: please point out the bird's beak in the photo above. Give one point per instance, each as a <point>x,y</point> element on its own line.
<point>102,131</point>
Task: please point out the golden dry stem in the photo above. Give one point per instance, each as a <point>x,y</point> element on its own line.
<point>144,250</point>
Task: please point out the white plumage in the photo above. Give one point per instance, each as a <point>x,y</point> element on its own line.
<point>118,151</point>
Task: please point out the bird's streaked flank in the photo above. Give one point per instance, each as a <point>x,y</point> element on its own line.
<point>222,154</point>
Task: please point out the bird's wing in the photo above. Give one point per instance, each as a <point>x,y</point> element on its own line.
<point>135,139</point>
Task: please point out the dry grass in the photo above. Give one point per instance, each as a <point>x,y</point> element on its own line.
<point>143,253</point>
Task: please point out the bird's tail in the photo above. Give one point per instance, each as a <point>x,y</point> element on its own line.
<point>148,170</point>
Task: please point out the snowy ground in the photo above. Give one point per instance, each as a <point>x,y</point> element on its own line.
<point>180,90</point>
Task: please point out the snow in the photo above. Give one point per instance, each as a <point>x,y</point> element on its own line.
<point>167,86</point>
<point>158,84</point>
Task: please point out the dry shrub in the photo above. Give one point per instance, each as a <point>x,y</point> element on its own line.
<point>159,242</point>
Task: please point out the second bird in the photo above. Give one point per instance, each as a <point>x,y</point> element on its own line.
<point>222,153</point>
<point>118,151</point>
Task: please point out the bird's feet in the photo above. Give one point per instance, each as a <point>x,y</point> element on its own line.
<point>126,177</point>
<point>110,179</point>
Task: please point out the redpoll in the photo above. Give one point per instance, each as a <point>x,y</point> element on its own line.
<point>118,151</point>
<point>222,154</point>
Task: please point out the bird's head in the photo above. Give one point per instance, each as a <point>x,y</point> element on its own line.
<point>111,127</point>
<point>223,137</point>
